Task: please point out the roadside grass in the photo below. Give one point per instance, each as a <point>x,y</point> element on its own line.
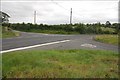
<point>53,31</point>
<point>60,64</point>
<point>110,39</point>
<point>9,33</point>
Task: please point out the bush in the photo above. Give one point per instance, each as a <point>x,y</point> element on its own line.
<point>79,28</point>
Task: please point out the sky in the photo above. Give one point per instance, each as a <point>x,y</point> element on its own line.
<point>58,12</point>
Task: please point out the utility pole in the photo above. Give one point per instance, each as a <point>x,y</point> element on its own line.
<point>34,17</point>
<point>71,16</point>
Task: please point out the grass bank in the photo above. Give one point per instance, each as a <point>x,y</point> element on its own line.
<point>60,64</point>
<point>53,31</point>
<point>9,33</point>
<point>110,39</point>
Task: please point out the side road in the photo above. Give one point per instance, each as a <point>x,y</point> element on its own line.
<point>75,42</point>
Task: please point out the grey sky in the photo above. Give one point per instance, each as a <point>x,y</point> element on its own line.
<point>58,12</point>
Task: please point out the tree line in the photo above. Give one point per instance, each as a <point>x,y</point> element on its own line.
<point>96,28</point>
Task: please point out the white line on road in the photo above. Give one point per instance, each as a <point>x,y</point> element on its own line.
<point>22,48</point>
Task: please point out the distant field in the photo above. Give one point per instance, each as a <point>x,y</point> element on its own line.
<point>110,39</point>
<point>53,32</point>
<point>60,64</point>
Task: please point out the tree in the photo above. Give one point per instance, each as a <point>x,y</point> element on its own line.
<point>108,24</point>
<point>81,28</point>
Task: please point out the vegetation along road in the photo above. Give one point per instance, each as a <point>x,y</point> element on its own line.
<point>60,64</point>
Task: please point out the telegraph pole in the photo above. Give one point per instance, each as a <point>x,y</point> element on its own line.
<point>34,17</point>
<point>71,16</point>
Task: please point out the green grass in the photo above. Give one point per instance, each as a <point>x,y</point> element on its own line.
<point>60,64</point>
<point>110,39</point>
<point>9,33</point>
<point>54,31</point>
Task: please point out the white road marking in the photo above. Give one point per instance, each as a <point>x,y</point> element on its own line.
<point>28,47</point>
<point>88,45</point>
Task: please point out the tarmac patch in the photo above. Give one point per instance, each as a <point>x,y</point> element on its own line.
<point>88,45</point>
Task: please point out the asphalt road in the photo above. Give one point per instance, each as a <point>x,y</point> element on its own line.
<point>76,42</point>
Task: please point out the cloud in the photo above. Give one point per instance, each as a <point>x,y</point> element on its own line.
<point>57,12</point>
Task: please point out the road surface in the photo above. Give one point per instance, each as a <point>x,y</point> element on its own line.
<point>75,42</point>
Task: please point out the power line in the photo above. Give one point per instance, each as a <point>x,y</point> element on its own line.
<point>67,11</point>
<point>59,5</point>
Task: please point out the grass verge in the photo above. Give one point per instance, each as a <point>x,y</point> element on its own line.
<point>60,64</point>
<point>9,33</point>
<point>53,31</point>
<point>110,39</point>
